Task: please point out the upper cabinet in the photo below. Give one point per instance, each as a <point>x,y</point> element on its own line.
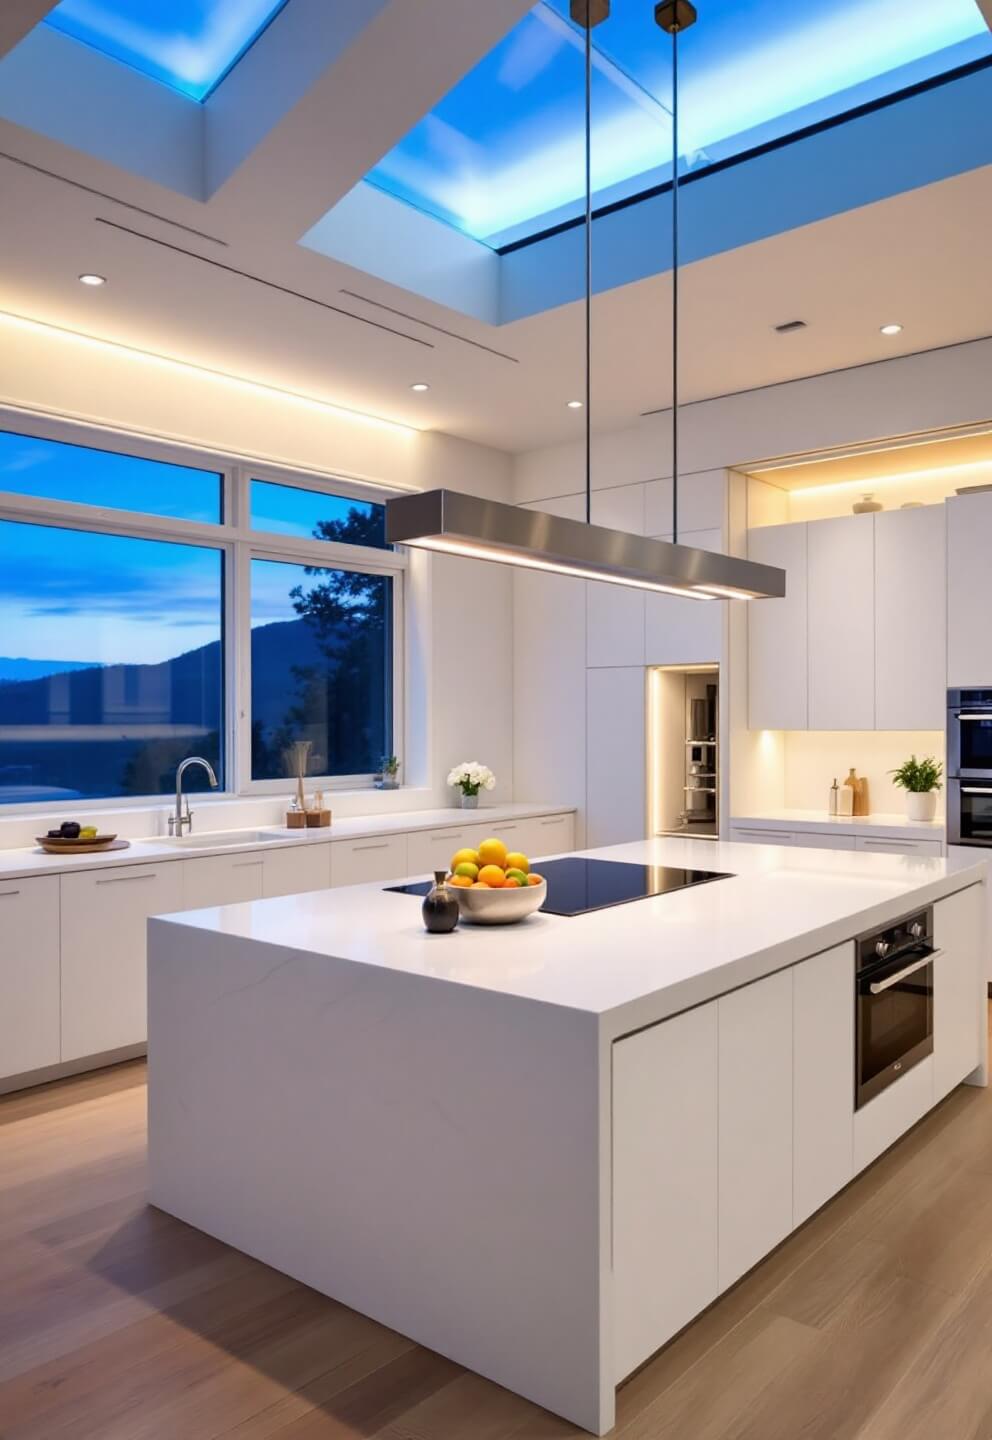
<point>778,691</point>
<point>910,618</point>
<point>859,642</point>
<point>841,610</point>
<point>969,590</point>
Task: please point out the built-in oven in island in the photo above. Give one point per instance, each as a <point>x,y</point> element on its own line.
<point>893,1003</point>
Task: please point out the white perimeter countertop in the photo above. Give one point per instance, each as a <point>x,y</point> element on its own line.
<point>813,821</point>
<point>640,961</point>
<point>24,863</point>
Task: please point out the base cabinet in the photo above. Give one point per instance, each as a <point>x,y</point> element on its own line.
<point>958,986</point>
<point>822,1079</point>
<point>296,870</point>
<point>664,1214</point>
<point>104,921</point>
<point>29,975</point>
<point>755,1122</point>
<point>221,880</point>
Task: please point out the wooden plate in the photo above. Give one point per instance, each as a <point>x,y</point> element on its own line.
<point>84,845</point>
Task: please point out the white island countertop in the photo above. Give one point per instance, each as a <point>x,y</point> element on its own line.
<point>647,959</point>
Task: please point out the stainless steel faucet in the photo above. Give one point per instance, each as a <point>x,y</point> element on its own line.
<point>183,819</point>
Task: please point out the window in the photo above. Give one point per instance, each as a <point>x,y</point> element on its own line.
<point>54,470</point>
<point>129,584</point>
<point>117,665</point>
<point>286,510</point>
<point>321,668</point>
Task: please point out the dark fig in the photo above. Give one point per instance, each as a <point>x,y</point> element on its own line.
<point>70,829</point>
<point>55,834</point>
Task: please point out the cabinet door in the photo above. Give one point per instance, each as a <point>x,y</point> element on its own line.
<point>104,938</point>
<point>29,975</point>
<point>969,589</point>
<point>616,787</point>
<point>543,835</point>
<point>910,619</point>
<point>801,839</point>
<point>296,869</point>
<point>359,862</point>
<point>755,1087</point>
<point>959,987</point>
<point>890,845</point>
<point>841,622</point>
<point>222,880</point>
<point>778,697</point>
<point>685,632</point>
<point>823,1079</point>
<point>664,1182</point>
<point>615,613</point>
<point>430,850</point>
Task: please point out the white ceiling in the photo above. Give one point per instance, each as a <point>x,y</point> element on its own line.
<point>920,258</point>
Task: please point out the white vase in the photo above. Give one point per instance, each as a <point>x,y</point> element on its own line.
<point>921,805</point>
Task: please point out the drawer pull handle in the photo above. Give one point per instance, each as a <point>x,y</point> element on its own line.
<point>5,893</point>
<point>247,864</point>
<point>119,879</point>
<point>557,820</point>
<point>448,835</point>
<point>382,845</point>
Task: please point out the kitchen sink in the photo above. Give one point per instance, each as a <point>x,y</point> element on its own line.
<point>207,840</point>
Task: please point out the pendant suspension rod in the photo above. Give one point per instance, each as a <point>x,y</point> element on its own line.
<point>675,284</point>
<point>588,238</point>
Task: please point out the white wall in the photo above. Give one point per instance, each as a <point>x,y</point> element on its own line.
<point>461,617</point>
<point>903,396</point>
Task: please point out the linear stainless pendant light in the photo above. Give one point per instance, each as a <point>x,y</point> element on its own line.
<point>460,524</point>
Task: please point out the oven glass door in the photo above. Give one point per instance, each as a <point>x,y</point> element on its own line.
<point>971,735</point>
<point>975,814</point>
<point>895,1022</point>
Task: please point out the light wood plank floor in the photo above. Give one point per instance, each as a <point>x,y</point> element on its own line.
<point>874,1322</point>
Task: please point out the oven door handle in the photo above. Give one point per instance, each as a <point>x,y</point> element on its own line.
<point>878,986</point>
<point>987,715</point>
<point>976,789</point>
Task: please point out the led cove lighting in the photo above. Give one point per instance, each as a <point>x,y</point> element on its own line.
<point>725,592</point>
<point>90,279</point>
<point>891,329</point>
<point>898,479</point>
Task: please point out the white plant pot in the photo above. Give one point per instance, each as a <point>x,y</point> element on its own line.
<point>921,805</point>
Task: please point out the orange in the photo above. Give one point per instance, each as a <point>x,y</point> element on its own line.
<point>517,861</point>
<point>462,881</point>
<point>492,852</point>
<point>480,885</point>
<point>464,857</point>
<point>492,876</point>
<point>512,884</point>
<point>535,879</point>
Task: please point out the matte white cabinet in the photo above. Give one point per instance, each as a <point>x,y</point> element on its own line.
<point>958,983</point>
<point>969,590</point>
<point>359,862</point>
<point>29,975</point>
<point>755,1122</point>
<point>615,613</point>
<point>431,850</point>
<point>778,653</point>
<point>804,839</point>
<point>104,918</point>
<point>296,869</point>
<point>685,632</point>
<point>664,1216</point>
<point>890,845</point>
<point>822,1079</point>
<point>616,785</point>
<point>222,879</point>
<point>911,619</point>
<point>545,835</point>
<point>841,623</point>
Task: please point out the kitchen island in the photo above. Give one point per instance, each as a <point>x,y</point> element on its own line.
<point>543,1149</point>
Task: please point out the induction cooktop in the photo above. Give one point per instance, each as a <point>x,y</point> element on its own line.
<point>576,885</point>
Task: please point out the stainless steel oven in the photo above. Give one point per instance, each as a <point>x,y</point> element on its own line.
<point>893,1003</point>
<point>969,813</point>
<point>969,734</point>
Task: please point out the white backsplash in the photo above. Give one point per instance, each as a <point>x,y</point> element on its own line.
<point>814,757</point>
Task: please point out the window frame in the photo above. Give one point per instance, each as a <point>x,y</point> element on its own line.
<point>239,543</point>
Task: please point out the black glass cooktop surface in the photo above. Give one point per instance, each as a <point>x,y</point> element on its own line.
<point>577,885</point>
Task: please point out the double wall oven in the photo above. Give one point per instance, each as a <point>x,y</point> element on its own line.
<point>969,767</point>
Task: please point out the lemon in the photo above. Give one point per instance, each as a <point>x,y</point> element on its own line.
<point>493,852</point>
<point>462,857</point>
<point>517,861</point>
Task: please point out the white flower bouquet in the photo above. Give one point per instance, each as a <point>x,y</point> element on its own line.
<point>470,777</point>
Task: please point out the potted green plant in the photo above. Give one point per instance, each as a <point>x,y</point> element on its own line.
<point>390,770</point>
<point>921,781</point>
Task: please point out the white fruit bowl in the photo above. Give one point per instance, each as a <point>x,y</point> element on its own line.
<point>500,907</point>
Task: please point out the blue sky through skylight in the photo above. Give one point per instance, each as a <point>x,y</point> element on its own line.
<point>188,44</point>
<point>501,156</point>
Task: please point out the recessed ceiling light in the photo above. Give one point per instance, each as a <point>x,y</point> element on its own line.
<point>92,279</point>
<point>420,386</point>
<point>891,329</point>
<point>575,404</point>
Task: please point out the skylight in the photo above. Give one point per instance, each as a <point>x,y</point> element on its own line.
<point>501,156</point>
<point>188,44</point>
